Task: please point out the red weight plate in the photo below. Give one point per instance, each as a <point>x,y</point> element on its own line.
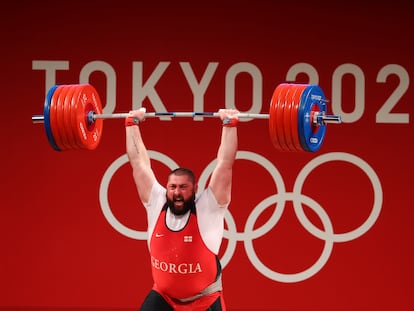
<point>94,105</point>
<point>60,117</point>
<point>76,108</point>
<point>283,101</point>
<point>54,125</point>
<point>96,127</point>
<point>87,100</point>
<point>60,108</point>
<point>72,116</point>
<point>279,117</point>
<point>294,116</point>
<point>57,114</point>
<point>67,118</point>
<point>286,117</point>
<point>273,116</point>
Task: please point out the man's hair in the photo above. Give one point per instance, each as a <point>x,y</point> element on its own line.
<point>183,171</point>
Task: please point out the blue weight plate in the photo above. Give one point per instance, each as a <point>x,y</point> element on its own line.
<point>311,136</point>
<point>46,116</point>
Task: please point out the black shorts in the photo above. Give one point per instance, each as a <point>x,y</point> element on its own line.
<point>155,302</point>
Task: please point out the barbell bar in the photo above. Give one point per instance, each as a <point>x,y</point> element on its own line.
<point>73,118</point>
<point>93,116</point>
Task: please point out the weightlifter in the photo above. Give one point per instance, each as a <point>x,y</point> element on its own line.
<point>184,230</point>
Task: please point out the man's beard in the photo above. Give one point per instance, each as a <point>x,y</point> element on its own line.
<point>187,205</point>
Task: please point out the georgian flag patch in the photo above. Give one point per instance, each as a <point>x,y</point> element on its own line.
<point>188,238</point>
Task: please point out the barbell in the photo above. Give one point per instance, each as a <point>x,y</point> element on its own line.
<point>73,118</point>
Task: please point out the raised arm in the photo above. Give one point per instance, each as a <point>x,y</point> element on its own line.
<point>221,178</point>
<point>138,157</point>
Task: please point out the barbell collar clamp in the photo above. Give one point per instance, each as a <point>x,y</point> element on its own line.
<point>326,119</point>
<point>320,118</point>
<point>38,119</point>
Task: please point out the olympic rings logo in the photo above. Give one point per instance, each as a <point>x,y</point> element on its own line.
<point>249,234</point>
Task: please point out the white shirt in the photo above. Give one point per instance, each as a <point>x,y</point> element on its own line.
<point>210,216</point>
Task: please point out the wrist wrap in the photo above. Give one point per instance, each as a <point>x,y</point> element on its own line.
<point>131,121</point>
<point>230,122</point>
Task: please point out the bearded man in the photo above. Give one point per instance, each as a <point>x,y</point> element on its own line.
<point>185,231</point>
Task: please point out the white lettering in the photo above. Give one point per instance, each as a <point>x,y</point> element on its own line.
<point>147,89</point>
<point>110,75</point>
<point>257,86</point>
<point>163,266</point>
<point>198,89</point>
<point>303,68</point>
<point>182,268</point>
<point>141,90</point>
<point>50,67</point>
<point>359,79</point>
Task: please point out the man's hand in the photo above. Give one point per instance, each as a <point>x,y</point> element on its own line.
<point>229,117</point>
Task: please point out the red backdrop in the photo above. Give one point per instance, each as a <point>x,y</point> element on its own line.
<point>71,224</point>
